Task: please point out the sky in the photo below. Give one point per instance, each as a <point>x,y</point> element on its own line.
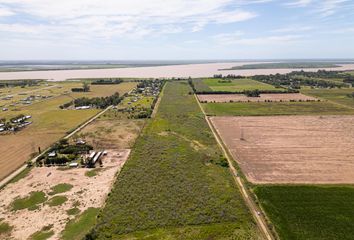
<point>175,29</point>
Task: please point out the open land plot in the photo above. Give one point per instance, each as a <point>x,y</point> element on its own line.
<point>49,124</point>
<point>236,85</point>
<point>291,149</point>
<point>276,108</point>
<point>279,97</point>
<point>113,130</point>
<point>309,212</point>
<point>341,96</point>
<point>175,184</point>
<point>46,197</point>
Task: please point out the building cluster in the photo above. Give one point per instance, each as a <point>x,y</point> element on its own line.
<point>15,124</point>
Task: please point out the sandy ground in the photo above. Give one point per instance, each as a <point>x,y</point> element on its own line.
<point>89,191</point>
<point>291,149</point>
<point>223,98</point>
<point>184,71</point>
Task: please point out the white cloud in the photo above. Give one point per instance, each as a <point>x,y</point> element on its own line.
<point>299,3</point>
<point>329,7</point>
<point>238,39</point>
<point>5,12</point>
<point>292,29</point>
<point>109,18</point>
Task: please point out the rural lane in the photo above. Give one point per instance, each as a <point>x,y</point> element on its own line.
<point>249,201</point>
<point>8,179</point>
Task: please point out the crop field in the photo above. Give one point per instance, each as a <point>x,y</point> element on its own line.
<point>278,97</point>
<point>276,108</point>
<point>341,96</point>
<point>291,149</point>
<point>236,85</point>
<point>49,124</point>
<point>176,183</point>
<point>309,212</point>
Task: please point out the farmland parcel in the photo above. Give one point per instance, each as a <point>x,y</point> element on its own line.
<point>291,149</point>
<point>49,123</point>
<point>176,184</point>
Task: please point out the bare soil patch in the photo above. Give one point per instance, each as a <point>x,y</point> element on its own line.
<point>280,97</point>
<point>291,149</point>
<point>87,191</point>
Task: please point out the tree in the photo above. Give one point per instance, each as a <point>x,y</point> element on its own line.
<point>86,87</point>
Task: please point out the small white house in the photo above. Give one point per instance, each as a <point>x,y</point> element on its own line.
<point>52,154</point>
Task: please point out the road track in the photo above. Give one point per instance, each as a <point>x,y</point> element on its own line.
<point>255,210</point>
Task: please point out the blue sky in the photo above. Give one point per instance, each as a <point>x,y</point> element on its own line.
<point>176,29</point>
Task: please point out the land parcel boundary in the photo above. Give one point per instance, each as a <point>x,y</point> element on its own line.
<point>176,183</point>
<point>276,108</point>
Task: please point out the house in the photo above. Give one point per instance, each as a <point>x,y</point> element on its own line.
<point>52,154</point>
<point>83,108</point>
<point>80,142</point>
<point>73,165</point>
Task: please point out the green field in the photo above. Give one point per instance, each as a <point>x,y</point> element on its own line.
<point>336,95</point>
<point>309,212</point>
<point>275,108</point>
<point>176,184</point>
<point>237,85</point>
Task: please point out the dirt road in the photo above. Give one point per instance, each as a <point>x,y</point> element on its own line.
<point>256,212</point>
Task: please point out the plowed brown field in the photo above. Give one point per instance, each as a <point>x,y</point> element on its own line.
<point>291,149</point>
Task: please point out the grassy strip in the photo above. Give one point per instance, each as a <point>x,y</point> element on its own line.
<point>309,212</point>
<point>237,85</point>
<point>175,177</point>
<point>224,231</point>
<point>41,235</point>
<point>77,228</point>
<point>275,108</point>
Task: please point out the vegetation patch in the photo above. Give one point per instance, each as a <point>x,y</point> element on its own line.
<point>73,211</point>
<point>77,229</point>
<point>31,202</point>
<point>309,212</point>
<point>44,234</point>
<point>57,200</point>
<point>5,228</point>
<point>176,176</point>
<point>93,172</point>
<point>275,108</point>
<point>60,188</point>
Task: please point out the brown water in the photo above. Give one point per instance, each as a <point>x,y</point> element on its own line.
<point>177,71</point>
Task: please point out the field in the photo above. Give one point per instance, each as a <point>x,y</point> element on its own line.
<point>309,212</point>
<point>236,85</point>
<point>176,183</point>
<point>49,124</point>
<point>275,108</point>
<point>279,97</point>
<point>48,200</point>
<point>291,149</point>
<point>336,95</point>
<point>113,130</point>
